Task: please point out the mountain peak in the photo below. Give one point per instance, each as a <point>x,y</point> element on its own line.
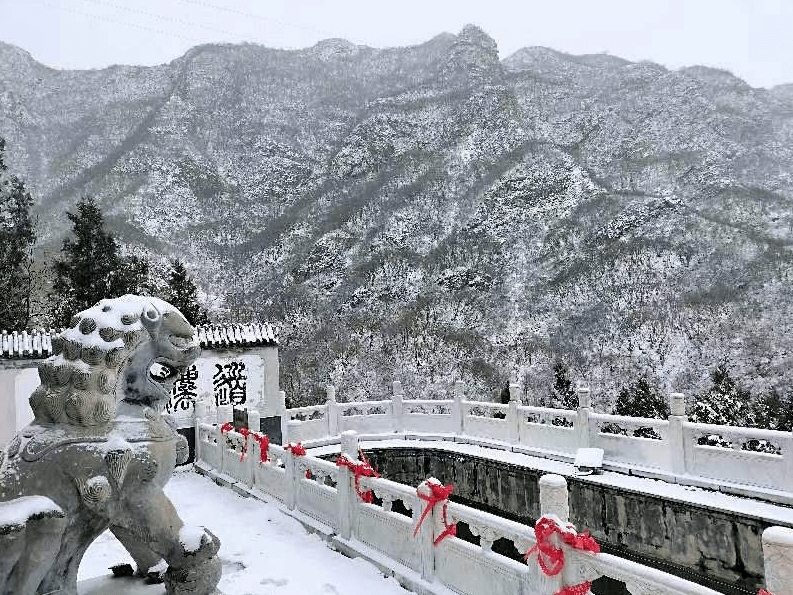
<point>473,54</point>
<point>477,36</point>
<point>328,49</point>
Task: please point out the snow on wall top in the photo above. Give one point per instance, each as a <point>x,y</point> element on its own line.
<point>37,343</point>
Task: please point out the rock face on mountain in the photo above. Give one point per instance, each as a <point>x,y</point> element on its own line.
<point>429,213</point>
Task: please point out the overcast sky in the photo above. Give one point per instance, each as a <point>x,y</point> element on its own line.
<point>751,38</point>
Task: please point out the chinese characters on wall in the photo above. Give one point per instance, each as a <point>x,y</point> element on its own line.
<point>225,380</point>
<point>185,391</point>
<point>229,383</point>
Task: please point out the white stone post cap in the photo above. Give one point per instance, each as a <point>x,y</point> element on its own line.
<point>778,536</point>
<point>677,404</point>
<point>349,444</point>
<point>553,480</point>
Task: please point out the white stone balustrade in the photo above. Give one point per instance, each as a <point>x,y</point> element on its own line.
<point>326,501</point>
<point>667,449</point>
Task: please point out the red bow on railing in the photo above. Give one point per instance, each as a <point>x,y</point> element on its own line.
<point>764,592</point>
<point>551,558</point>
<point>262,439</point>
<point>264,445</point>
<point>438,493</point>
<point>362,469</point>
<point>296,450</point>
<point>244,432</point>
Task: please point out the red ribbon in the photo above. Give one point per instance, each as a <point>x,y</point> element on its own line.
<point>264,445</point>
<point>263,440</point>
<point>440,493</point>
<point>551,558</point>
<point>362,469</point>
<point>297,449</point>
<point>764,592</point>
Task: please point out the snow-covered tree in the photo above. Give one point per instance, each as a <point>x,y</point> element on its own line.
<point>641,399</point>
<point>773,411</point>
<point>182,293</point>
<point>17,237</point>
<point>724,403</point>
<point>92,268</point>
<point>562,395</point>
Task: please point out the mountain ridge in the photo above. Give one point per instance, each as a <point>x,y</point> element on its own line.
<point>432,212</point>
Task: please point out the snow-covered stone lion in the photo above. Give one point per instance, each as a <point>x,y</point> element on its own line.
<point>98,454</point>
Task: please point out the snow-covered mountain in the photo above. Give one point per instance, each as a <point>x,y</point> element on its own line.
<point>431,212</point>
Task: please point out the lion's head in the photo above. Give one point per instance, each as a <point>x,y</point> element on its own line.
<point>131,348</point>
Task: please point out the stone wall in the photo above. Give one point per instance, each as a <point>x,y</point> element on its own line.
<point>716,548</point>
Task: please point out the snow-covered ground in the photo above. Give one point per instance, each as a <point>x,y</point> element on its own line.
<point>263,551</point>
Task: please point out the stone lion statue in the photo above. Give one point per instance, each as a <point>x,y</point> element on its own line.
<point>98,454</point>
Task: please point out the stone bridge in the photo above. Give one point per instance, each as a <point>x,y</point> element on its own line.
<point>498,500</point>
<point>670,501</point>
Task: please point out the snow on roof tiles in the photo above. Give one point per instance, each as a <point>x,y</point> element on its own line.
<point>37,343</point>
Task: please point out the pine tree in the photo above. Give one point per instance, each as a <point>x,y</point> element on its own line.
<point>641,400</point>
<point>772,411</point>
<point>92,268</point>
<point>724,403</point>
<point>17,237</point>
<point>563,395</point>
<point>182,293</point>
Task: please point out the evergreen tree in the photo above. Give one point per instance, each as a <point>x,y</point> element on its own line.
<point>92,268</point>
<point>17,237</point>
<point>724,403</point>
<point>641,400</point>
<point>563,395</point>
<point>772,411</point>
<point>182,293</point>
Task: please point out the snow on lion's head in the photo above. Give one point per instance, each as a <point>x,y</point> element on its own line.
<point>131,348</point>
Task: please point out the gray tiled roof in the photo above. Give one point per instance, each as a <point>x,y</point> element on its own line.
<point>37,343</point>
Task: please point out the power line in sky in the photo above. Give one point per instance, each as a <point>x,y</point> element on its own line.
<point>117,21</point>
<point>267,19</point>
<point>163,17</point>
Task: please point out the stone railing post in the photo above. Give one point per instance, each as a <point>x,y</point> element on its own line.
<point>292,431</point>
<point>332,411</point>
<point>254,420</point>
<point>425,537</point>
<point>281,409</point>
<point>513,423</point>
<point>458,414</point>
<point>553,496</point>
<point>582,419</point>
<point>787,455</point>
<point>198,419</point>
<point>397,406</point>
<point>677,417</point>
<point>225,414</point>
<point>290,466</point>
<point>348,499</point>
<point>254,425</point>
<point>778,560</point>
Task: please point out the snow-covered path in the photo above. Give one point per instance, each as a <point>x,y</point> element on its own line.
<point>264,551</point>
